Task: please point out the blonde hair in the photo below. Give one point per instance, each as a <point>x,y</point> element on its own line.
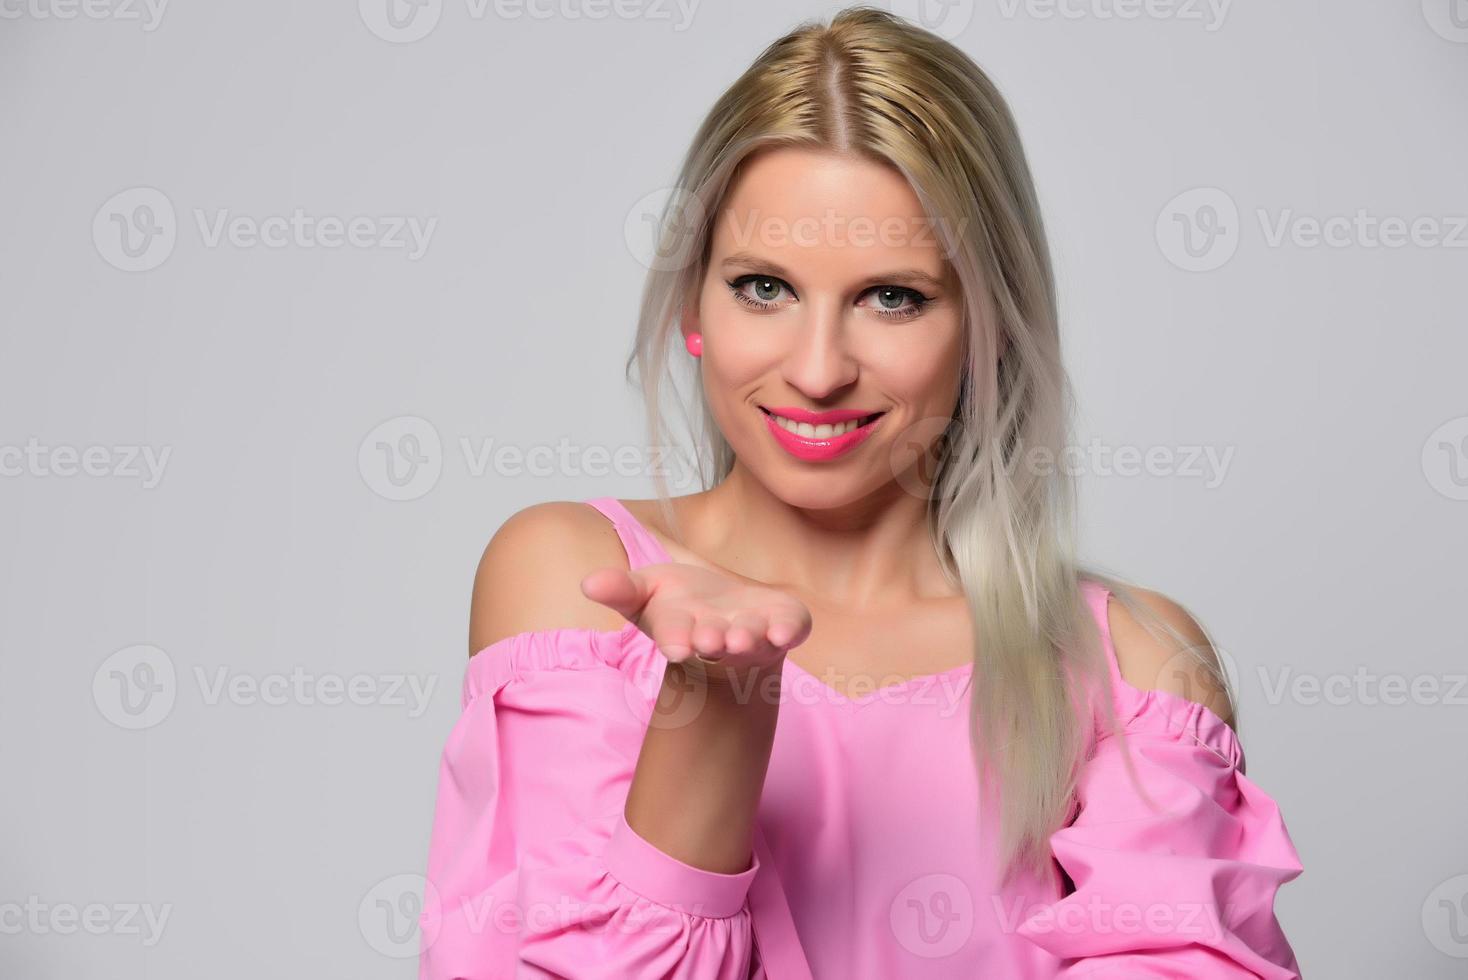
<point>871,84</point>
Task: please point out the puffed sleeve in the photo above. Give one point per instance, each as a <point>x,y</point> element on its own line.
<point>533,870</point>
<point>1174,873</point>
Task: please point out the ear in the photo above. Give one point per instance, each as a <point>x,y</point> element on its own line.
<point>688,320</point>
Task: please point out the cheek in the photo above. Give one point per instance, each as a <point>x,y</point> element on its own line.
<point>733,366</point>
<point>718,319</point>
<point>739,348</point>
<point>916,362</point>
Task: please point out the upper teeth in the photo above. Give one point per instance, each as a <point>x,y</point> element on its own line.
<point>809,431</point>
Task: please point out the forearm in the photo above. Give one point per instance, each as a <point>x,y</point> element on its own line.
<point>702,766</point>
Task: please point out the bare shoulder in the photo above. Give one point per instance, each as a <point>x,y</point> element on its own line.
<point>1190,670</point>
<point>529,577</point>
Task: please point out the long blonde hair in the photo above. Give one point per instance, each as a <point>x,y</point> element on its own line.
<point>869,83</point>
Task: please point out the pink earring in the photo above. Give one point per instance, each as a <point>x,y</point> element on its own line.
<point>695,344</point>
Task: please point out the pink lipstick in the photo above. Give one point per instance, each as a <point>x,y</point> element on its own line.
<point>813,447</point>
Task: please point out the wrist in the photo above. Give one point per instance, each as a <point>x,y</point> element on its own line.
<point>736,684</point>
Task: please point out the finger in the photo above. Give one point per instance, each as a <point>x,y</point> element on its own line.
<point>746,631</point>
<point>672,632</point>
<point>625,591</point>
<point>708,636</point>
<point>787,630</point>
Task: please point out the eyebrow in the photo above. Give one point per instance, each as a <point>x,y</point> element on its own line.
<point>897,277</point>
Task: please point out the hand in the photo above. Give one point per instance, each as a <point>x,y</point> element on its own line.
<point>688,610</point>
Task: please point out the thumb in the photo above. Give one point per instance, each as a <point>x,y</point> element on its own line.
<point>623,590</point>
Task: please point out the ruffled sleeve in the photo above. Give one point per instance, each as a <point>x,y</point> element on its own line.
<point>533,870</point>
<point>1174,873</point>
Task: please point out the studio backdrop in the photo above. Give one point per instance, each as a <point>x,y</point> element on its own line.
<point>299,301</point>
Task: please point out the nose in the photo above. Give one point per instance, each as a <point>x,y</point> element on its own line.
<point>819,363</point>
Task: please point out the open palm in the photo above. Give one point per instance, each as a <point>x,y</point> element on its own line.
<point>688,610</point>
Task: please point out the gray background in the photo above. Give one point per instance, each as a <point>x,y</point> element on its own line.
<point>274,831</point>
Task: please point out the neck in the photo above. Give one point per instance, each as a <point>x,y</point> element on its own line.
<point>861,553</point>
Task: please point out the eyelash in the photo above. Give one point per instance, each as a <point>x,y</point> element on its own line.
<point>919,301</point>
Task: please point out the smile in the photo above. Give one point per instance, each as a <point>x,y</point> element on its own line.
<point>823,431</point>
<point>819,436</point>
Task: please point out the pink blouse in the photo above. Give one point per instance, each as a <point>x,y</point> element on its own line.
<point>868,861</point>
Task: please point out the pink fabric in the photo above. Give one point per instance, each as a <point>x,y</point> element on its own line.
<point>869,856</point>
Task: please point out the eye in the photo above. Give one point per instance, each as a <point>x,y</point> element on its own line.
<point>762,292</point>
<point>890,301</point>
<point>759,292</point>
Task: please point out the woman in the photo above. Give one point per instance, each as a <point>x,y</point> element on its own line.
<point>982,766</point>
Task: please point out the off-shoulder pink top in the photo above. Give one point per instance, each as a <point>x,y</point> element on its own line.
<point>869,859</point>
